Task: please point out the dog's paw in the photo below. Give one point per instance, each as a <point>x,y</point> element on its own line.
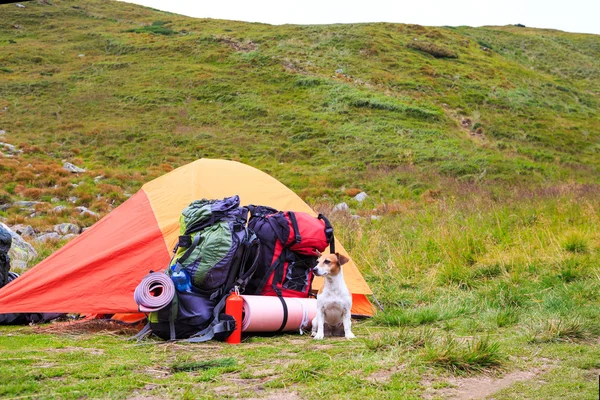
<point>350,335</point>
<point>313,333</point>
<point>319,336</point>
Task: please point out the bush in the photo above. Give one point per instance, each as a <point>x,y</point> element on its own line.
<point>154,29</point>
<point>458,356</point>
<point>309,82</point>
<point>560,329</point>
<point>433,49</point>
<point>576,243</point>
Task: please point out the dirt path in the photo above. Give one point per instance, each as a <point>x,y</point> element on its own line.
<point>480,387</point>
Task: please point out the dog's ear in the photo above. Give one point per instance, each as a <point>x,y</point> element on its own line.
<point>342,259</point>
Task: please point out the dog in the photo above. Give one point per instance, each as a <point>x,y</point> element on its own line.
<point>335,302</point>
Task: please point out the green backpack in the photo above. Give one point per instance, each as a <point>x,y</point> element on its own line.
<point>215,253</point>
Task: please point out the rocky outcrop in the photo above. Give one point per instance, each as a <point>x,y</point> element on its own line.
<point>20,252</point>
<point>73,168</point>
<point>66,228</point>
<point>360,197</point>
<point>47,237</point>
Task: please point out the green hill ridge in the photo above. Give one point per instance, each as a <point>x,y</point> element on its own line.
<point>320,107</point>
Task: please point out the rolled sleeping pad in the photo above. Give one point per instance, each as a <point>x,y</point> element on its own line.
<point>265,313</point>
<point>155,292</point>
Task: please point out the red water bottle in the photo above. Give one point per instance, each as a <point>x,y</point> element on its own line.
<point>234,306</point>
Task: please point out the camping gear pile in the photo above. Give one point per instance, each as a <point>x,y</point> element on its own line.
<point>220,251</point>
<point>97,272</point>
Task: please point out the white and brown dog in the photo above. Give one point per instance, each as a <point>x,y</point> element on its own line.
<point>335,302</point>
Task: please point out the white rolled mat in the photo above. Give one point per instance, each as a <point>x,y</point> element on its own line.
<point>265,313</point>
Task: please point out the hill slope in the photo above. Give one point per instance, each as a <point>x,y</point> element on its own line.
<point>121,87</point>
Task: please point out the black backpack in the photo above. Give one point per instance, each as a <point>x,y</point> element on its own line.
<point>5,243</point>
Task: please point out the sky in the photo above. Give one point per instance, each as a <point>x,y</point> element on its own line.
<point>572,16</point>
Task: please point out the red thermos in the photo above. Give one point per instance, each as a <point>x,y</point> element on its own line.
<point>234,306</point>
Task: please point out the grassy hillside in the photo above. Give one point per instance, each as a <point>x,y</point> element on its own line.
<point>479,149</point>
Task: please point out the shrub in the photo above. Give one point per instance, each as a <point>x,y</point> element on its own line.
<point>461,356</point>
<point>10,187</point>
<point>506,317</point>
<point>412,339</point>
<point>24,176</point>
<point>5,198</point>
<point>309,82</point>
<point>32,193</point>
<point>154,29</point>
<point>432,49</point>
<point>352,192</point>
<point>560,329</point>
<point>575,243</point>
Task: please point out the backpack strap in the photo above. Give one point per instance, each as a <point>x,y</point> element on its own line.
<point>215,327</point>
<point>328,233</point>
<point>172,333</point>
<point>146,330</point>
<point>268,272</point>
<point>187,253</point>
<point>245,276</point>
<point>285,310</point>
<point>201,225</point>
<point>260,211</point>
<point>292,216</point>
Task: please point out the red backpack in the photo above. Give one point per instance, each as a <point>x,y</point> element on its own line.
<point>290,243</point>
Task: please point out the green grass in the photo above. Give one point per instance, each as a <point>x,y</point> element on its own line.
<point>482,165</point>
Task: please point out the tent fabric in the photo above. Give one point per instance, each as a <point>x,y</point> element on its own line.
<point>98,271</point>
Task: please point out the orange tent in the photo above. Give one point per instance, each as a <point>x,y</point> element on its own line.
<point>98,271</point>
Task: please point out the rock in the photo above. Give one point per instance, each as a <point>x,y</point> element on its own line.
<point>341,207</point>
<point>353,216</point>
<point>20,5</point>
<point>2,132</point>
<point>10,148</point>
<point>72,168</point>
<point>86,211</point>
<point>90,213</point>
<point>23,230</point>
<point>339,71</point>
<point>360,197</point>
<point>98,178</point>
<point>54,200</point>
<point>26,204</point>
<point>73,199</point>
<point>66,228</point>
<point>81,55</point>
<point>59,209</point>
<point>47,237</point>
<point>18,266</point>
<point>375,217</point>
<point>20,250</point>
<point>69,237</point>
